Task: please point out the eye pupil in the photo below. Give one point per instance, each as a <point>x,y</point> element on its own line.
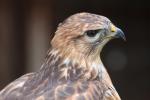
<point>92,33</point>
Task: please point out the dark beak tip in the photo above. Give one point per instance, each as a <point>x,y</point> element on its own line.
<point>124,39</point>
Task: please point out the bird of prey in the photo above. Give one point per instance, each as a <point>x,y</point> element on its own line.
<point>72,69</point>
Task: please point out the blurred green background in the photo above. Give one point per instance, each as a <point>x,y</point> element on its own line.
<point>27,26</point>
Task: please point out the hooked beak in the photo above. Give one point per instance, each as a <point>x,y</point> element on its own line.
<point>118,32</point>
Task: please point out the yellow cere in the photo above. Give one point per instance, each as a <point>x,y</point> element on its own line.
<point>113,28</point>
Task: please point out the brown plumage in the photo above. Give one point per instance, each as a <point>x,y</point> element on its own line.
<point>72,69</point>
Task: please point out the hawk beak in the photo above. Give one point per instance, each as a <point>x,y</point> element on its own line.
<point>118,32</point>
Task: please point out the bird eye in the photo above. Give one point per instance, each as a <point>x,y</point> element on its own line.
<point>92,33</point>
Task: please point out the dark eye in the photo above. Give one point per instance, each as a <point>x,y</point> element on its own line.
<point>92,33</point>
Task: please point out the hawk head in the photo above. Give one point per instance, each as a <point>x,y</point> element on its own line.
<point>85,34</point>
<point>81,37</point>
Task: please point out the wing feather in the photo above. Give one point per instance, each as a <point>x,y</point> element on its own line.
<point>78,91</point>
<point>13,90</point>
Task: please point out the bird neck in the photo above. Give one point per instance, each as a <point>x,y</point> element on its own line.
<point>58,70</point>
<point>63,68</point>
